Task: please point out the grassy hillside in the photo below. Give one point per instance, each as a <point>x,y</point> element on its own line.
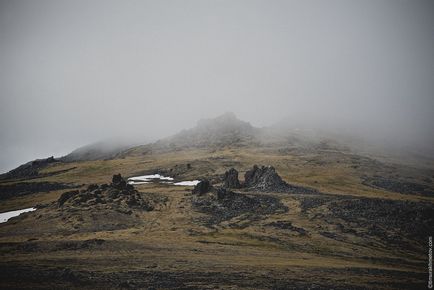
<point>339,237</point>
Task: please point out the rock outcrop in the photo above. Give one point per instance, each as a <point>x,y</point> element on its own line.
<point>230,179</point>
<point>225,130</point>
<point>118,195</point>
<point>98,207</point>
<point>202,187</point>
<point>265,178</point>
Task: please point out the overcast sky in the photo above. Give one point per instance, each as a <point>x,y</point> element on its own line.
<point>74,72</point>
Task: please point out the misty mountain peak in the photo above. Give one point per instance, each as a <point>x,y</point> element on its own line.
<point>226,122</point>
<point>223,130</point>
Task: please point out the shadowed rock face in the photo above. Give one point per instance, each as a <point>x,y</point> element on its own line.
<point>264,179</point>
<point>231,179</point>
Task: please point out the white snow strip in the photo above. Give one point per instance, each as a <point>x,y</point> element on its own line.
<point>137,182</point>
<point>187,183</point>
<point>5,216</point>
<point>149,177</point>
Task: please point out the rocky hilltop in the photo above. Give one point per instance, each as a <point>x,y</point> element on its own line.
<point>224,130</point>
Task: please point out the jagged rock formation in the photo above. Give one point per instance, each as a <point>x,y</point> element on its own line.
<point>264,179</point>
<point>118,195</point>
<point>202,187</point>
<point>230,179</point>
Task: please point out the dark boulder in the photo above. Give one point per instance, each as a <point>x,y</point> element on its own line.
<point>230,179</point>
<point>119,182</point>
<point>116,178</point>
<point>202,187</point>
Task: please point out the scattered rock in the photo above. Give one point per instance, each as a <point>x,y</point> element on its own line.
<point>221,204</point>
<point>408,219</point>
<point>118,194</point>
<point>402,224</point>
<point>231,179</point>
<point>397,185</point>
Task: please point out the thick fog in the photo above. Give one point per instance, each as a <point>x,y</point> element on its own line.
<point>75,72</point>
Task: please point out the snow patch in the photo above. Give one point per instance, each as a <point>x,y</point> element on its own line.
<point>150,177</point>
<point>136,180</point>
<point>187,183</point>
<point>5,216</point>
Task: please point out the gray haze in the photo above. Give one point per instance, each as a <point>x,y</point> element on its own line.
<point>75,72</point>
